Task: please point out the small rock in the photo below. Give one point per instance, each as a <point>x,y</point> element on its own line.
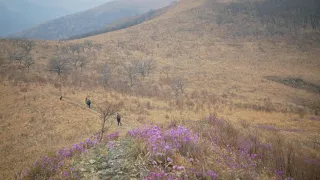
<point>94,178</point>
<point>92,170</point>
<point>102,172</point>
<point>83,170</point>
<point>104,165</point>
<point>115,177</point>
<point>92,161</point>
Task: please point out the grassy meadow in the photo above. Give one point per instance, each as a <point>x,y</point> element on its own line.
<point>201,78</point>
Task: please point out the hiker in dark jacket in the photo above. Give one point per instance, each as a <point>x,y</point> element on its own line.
<point>88,102</point>
<point>119,119</point>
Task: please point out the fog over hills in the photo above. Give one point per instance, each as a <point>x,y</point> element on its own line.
<point>91,20</point>
<point>18,15</point>
<point>70,5</point>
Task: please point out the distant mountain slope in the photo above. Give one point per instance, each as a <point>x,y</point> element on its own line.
<point>124,23</point>
<point>91,20</point>
<point>17,15</point>
<point>81,5</point>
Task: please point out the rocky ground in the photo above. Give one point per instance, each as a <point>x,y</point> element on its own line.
<point>111,161</point>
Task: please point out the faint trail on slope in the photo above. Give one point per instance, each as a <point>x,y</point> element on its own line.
<point>127,122</point>
<point>66,99</point>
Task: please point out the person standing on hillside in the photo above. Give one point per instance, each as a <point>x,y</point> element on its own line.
<point>119,119</point>
<point>88,102</point>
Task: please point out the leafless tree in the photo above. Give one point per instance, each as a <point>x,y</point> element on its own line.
<point>83,61</point>
<point>97,48</point>
<point>131,73</point>
<point>149,65</point>
<point>87,44</point>
<point>120,44</point>
<point>2,57</point>
<point>59,64</point>
<point>64,49</point>
<point>25,45</point>
<point>178,84</point>
<point>75,61</point>
<point>28,61</point>
<point>106,110</point>
<point>166,70</point>
<point>18,55</point>
<point>75,48</point>
<point>139,67</point>
<point>106,73</point>
<point>143,68</point>
<point>78,61</point>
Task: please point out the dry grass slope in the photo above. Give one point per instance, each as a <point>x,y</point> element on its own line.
<point>226,76</point>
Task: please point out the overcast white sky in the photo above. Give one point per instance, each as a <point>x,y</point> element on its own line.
<point>71,5</point>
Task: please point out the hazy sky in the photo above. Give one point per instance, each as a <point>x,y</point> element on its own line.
<point>70,5</point>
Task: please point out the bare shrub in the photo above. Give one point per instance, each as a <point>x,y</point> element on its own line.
<point>179,103</point>
<point>301,113</point>
<point>141,119</point>
<point>166,70</point>
<point>130,73</point>
<point>57,85</point>
<point>17,56</point>
<point>59,64</point>
<point>178,85</point>
<point>149,105</point>
<point>28,62</point>
<point>39,79</point>
<point>106,75</point>
<point>24,89</point>
<point>106,110</point>
<point>245,124</point>
<point>195,94</point>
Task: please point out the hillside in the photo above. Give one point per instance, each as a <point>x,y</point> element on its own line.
<point>124,23</point>
<point>206,90</point>
<point>71,5</point>
<point>17,15</point>
<point>90,20</point>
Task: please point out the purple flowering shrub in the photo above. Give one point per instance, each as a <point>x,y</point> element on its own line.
<point>113,136</point>
<point>183,173</point>
<point>50,166</point>
<point>250,152</point>
<point>164,144</point>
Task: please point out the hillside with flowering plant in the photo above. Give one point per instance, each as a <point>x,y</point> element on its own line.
<point>208,149</point>
<point>207,89</point>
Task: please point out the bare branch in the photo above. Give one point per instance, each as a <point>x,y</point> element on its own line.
<point>150,65</point>
<point>83,61</point>
<point>130,72</point>
<point>28,61</point>
<point>59,64</point>
<point>106,110</point>
<point>75,48</point>
<point>88,44</point>
<point>25,45</point>
<point>166,70</point>
<point>17,56</point>
<point>178,84</point>
<point>106,75</point>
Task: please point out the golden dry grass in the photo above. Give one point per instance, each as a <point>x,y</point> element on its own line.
<point>35,122</point>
